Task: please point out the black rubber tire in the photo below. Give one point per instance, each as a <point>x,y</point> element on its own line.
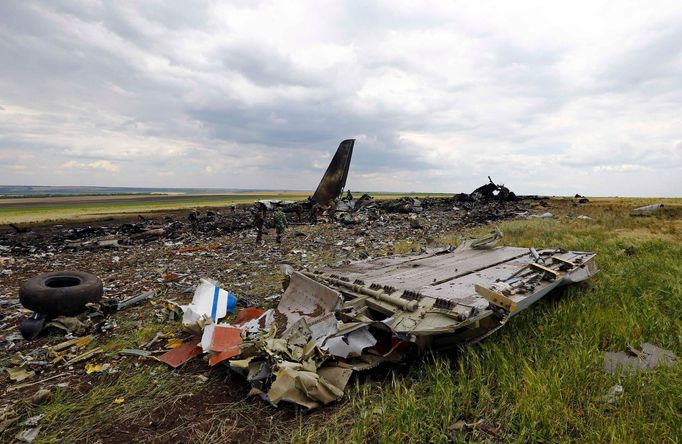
<point>62,293</point>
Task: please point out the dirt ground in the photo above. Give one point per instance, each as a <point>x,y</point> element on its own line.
<point>170,252</point>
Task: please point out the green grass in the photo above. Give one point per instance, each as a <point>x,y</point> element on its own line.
<point>142,389</point>
<point>540,378</point>
<point>108,206</point>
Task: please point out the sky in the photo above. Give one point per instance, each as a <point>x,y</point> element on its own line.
<point>545,97</point>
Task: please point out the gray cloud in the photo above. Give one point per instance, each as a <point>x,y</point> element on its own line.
<point>546,98</point>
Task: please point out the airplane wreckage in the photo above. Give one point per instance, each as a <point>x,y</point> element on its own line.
<point>352,316</point>
<point>336,320</point>
<point>328,190</point>
<point>333,321</point>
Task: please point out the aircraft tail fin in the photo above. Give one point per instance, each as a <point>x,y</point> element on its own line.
<point>334,179</point>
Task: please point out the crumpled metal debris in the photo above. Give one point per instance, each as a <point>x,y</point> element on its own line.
<point>485,242</point>
<point>69,324</point>
<point>298,352</point>
<point>488,192</point>
<point>338,320</point>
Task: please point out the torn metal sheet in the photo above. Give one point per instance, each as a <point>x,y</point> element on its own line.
<point>19,374</point>
<point>351,344</point>
<point>654,207</point>
<point>305,298</point>
<point>247,314</point>
<point>306,388</point>
<point>179,355</point>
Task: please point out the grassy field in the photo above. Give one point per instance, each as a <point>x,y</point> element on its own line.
<point>40,209</point>
<point>540,378</point>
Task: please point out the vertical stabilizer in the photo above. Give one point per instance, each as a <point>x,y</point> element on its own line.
<point>334,179</point>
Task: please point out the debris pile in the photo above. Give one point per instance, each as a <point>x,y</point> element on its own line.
<point>488,192</point>
<point>337,320</point>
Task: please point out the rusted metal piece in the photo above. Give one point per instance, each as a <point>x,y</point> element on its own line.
<point>334,179</point>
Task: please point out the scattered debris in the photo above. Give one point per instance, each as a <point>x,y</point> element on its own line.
<point>131,301</point>
<point>18,374</point>
<point>179,355</point>
<point>633,360</point>
<point>614,394</point>
<point>546,215</point>
<point>33,420</point>
<point>28,435</point>
<point>84,356</point>
<point>357,316</point>
<point>22,386</point>
<point>210,303</point>
<point>8,416</point>
<point>346,317</point>
<point>135,352</point>
<point>40,396</point>
<point>96,368</point>
<point>489,241</point>
<point>649,208</point>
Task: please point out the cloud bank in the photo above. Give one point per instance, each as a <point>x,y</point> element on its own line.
<point>551,99</point>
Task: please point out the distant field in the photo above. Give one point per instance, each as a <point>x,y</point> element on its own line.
<point>40,209</point>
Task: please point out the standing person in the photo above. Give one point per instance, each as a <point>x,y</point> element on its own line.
<point>194,219</point>
<point>280,221</point>
<point>259,223</point>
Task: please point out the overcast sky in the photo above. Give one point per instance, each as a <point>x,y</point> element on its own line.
<point>584,97</point>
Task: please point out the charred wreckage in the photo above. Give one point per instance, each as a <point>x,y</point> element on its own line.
<point>346,317</point>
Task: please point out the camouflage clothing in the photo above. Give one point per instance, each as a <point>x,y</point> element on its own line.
<point>280,222</point>
<point>260,224</point>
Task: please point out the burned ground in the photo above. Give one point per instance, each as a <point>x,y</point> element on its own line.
<point>169,253</point>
